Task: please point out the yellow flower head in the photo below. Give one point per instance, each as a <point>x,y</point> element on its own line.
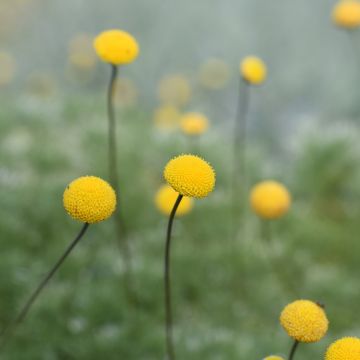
<point>194,123</point>
<point>347,348</point>
<point>214,74</point>
<point>174,90</point>
<point>116,47</point>
<point>253,70</point>
<point>270,199</point>
<point>190,175</point>
<point>89,199</point>
<point>7,68</point>
<point>166,117</point>
<point>304,321</point>
<point>274,357</point>
<point>346,14</point>
<point>165,199</point>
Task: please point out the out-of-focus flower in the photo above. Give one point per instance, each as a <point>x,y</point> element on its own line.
<point>80,52</point>
<point>7,68</point>
<point>270,199</point>
<point>253,70</point>
<point>126,93</point>
<point>166,117</point>
<point>304,321</point>
<point>190,175</point>
<point>194,123</point>
<point>89,199</point>
<point>41,84</point>
<point>174,90</point>
<point>214,74</point>
<point>116,47</point>
<point>347,348</point>
<point>165,199</point>
<point>274,357</point>
<point>346,14</point>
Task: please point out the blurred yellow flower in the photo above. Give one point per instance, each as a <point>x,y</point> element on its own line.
<point>166,117</point>
<point>116,47</point>
<point>253,70</point>
<point>165,199</point>
<point>174,90</point>
<point>126,93</point>
<point>347,348</point>
<point>194,123</point>
<point>304,321</point>
<point>7,68</point>
<point>89,199</point>
<point>270,199</point>
<point>190,175</point>
<point>273,357</point>
<point>214,74</point>
<point>80,52</point>
<point>346,14</point>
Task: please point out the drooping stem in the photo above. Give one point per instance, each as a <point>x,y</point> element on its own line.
<point>114,179</point>
<point>239,153</point>
<point>25,309</point>
<point>170,354</point>
<point>293,350</point>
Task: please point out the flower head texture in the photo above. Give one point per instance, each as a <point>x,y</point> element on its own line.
<point>253,70</point>
<point>194,123</point>
<point>304,321</point>
<point>116,47</point>
<point>273,357</point>
<point>165,199</point>
<point>346,14</point>
<point>347,348</point>
<point>89,199</point>
<point>190,176</point>
<point>270,199</point>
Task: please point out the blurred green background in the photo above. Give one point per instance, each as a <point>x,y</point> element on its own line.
<point>303,131</point>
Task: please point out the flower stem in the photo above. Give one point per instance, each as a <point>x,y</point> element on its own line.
<point>21,316</point>
<point>170,354</point>
<point>114,181</point>
<point>293,349</point>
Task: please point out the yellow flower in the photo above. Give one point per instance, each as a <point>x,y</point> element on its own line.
<point>165,199</point>
<point>7,68</point>
<point>166,117</point>
<point>89,199</point>
<point>304,321</point>
<point>270,199</point>
<point>253,70</point>
<point>214,74</point>
<point>190,175</point>
<point>116,47</point>
<point>347,348</point>
<point>274,357</point>
<point>346,14</point>
<point>174,90</point>
<point>194,123</point>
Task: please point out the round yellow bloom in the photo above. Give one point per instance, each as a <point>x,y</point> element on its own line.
<point>165,199</point>
<point>7,68</point>
<point>194,123</point>
<point>166,117</point>
<point>116,47</point>
<point>253,70</point>
<point>89,199</point>
<point>274,357</point>
<point>174,90</point>
<point>270,199</point>
<point>214,74</point>
<point>190,175</point>
<point>304,321</point>
<point>347,348</point>
<point>346,14</point>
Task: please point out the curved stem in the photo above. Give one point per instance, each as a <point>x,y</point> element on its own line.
<point>114,180</point>
<point>293,349</point>
<point>170,354</point>
<point>21,316</point>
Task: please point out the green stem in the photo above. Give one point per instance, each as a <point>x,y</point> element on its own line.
<point>293,350</point>
<point>170,354</point>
